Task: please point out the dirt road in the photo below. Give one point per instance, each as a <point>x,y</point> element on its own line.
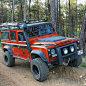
<point>20,75</point>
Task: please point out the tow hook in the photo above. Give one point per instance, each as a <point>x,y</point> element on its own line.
<point>66,62</point>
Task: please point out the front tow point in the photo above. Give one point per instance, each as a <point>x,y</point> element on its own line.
<point>66,62</point>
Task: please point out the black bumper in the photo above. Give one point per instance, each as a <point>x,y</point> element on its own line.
<point>63,58</point>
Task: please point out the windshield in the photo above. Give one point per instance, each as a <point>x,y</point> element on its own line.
<point>40,30</point>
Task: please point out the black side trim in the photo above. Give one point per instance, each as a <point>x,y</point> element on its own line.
<point>25,47</point>
<point>21,58</point>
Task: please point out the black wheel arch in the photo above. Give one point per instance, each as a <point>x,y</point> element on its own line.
<point>7,48</point>
<point>38,53</point>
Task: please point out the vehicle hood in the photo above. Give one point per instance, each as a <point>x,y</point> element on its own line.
<point>53,40</point>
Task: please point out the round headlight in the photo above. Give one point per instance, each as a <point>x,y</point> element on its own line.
<point>72,49</point>
<point>65,51</point>
<point>52,51</point>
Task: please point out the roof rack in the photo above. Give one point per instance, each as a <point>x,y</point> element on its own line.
<point>9,26</point>
<point>17,25</point>
<point>45,19</point>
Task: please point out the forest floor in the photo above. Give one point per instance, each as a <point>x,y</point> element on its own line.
<point>20,75</point>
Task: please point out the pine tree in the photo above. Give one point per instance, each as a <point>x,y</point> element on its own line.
<point>53,12</point>
<point>83,34</point>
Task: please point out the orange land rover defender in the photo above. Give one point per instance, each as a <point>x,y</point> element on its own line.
<point>38,43</point>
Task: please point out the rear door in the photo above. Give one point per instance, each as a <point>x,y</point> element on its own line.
<point>13,42</point>
<point>22,46</point>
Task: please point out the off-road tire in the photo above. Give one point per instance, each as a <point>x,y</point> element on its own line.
<point>8,59</point>
<point>39,69</point>
<point>76,62</point>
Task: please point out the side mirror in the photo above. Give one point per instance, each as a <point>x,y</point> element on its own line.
<point>24,26</point>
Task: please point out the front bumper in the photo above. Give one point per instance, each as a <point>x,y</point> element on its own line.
<point>65,58</point>
<point>62,58</point>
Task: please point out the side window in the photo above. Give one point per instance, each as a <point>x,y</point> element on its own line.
<point>21,36</point>
<point>13,36</point>
<point>5,35</point>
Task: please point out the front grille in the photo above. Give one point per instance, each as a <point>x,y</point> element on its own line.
<point>66,46</point>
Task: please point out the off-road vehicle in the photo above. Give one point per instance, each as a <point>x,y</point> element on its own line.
<point>38,43</point>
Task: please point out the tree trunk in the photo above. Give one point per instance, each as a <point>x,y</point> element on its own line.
<point>49,8</point>
<point>2,10</point>
<point>21,11</point>
<point>53,12</point>
<point>60,17</point>
<point>82,34</point>
<point>66,21</point>
<point>69,20</point>
<point>25,11</point>
<point>12,18</point>
<point>38,9</point>
<point>56,5</point>
<point>45,8</point>
<point>29,15</point>
<point>76,17</point>
<point>18,15</point>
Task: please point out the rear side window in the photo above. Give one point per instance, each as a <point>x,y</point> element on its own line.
<point>13,36</point>
<point>5,35</point>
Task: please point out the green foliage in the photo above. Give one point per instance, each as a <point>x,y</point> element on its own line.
<point>84,63</point>
<point>39,10</point>
<point>74,20</point>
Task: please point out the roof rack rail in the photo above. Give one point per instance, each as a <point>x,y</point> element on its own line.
<point>9,26</point>
<point>45,19</point>
<point>17,25</point>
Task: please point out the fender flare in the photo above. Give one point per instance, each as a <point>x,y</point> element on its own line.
<point>7,48</point>
<point>39,53</point>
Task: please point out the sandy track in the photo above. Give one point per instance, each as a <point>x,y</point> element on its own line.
<point>20,75</point>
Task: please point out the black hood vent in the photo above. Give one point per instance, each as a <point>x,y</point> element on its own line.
<point>52,38</point>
